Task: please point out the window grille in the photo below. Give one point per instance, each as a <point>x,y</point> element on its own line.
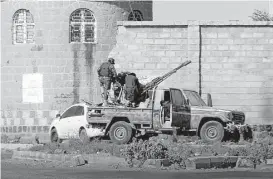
<point>135,15</point>
<point>23,27</point>
<point>82,26</point>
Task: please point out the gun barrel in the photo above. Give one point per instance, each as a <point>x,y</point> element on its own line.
<point>175,70</point>
<point>180,66</point>
<point>158,80</point>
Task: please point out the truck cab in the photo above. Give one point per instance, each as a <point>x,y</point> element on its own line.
<point>188,112</point>
<point>209,122</point>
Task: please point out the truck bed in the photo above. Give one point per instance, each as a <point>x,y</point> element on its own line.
<point>106,114</point>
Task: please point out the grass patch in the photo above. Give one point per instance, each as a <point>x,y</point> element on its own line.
<point>77,147</point>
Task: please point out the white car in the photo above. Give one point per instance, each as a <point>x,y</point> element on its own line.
<point>72,123</point>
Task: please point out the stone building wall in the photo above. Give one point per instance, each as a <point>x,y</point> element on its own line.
<point>68,70</point>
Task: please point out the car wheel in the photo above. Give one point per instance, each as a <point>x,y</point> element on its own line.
<point>120,132</point>
<point>54,136</point>
<point>83,136</point>
<point>212,131</point>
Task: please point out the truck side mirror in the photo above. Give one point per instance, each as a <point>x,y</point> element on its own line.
<point>209,100</point>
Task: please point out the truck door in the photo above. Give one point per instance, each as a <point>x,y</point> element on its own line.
<point>180,110</point>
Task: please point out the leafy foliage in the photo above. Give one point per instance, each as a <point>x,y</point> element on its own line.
<point>259,15</point>
<point>177,153</point>
<point>143,150</point>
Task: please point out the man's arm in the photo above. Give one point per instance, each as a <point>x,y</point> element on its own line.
<point>137,83</point>
<point>113,70</point>
<point>99,70</point>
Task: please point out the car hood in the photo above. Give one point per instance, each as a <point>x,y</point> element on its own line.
<point>224,114</point>
<point>213,110</point>
<point>209,109</point>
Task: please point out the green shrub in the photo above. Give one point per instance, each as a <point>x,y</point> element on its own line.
<point>179,153</point>
<point>137,152</point>
<point>143,150</point>
<point>257,152</point>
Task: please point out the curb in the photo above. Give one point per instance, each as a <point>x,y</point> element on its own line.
<point>101,158</point>
<point>210,145</point>
<point>269,161</point>
<point>207,162</point>
<point>15,146</point>
<point>156,163</point>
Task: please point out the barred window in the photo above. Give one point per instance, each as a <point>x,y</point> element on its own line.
<point>135,15</point>
<point>82,26</point>
<point>23,27</point>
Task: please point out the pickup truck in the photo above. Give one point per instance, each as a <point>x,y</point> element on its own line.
<point>187,112</point>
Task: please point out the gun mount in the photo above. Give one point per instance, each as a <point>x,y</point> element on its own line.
<point>158,80</point>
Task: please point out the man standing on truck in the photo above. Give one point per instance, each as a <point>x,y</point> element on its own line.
<point>107,74</point>
<point>131,89</point>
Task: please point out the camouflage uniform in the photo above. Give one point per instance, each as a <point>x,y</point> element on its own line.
<point>131,88</point>
<point>107,74</point>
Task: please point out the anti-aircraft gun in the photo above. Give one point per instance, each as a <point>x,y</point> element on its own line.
<point>142,94</point>
<point>144,90</point>
<point>158,80</point>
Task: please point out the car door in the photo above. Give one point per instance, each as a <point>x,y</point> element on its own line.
<point>64,123</point>
<point>180,110</point>
<point>77,121</point>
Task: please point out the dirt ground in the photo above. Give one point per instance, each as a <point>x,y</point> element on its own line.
<point>6,159</point>
<point>37,169</point>
<point>30,169</point>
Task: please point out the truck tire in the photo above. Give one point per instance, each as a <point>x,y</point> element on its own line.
<point>121,132</point>
<point>83,136</point>
<point>212,131</point>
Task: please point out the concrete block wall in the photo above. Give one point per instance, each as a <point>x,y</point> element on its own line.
<point>237,68</point>
<point>154,49</point>
<point>231,60</point>
<point>68,69</point>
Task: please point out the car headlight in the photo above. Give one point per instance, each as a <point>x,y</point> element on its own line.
<point>243,118</point>
<point>229,115</point>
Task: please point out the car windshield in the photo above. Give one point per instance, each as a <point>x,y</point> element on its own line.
<point>195,99</point>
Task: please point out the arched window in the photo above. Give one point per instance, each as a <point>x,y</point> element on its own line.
<point>82,26</point>
<point>135,15</point>
<point>23,27</point>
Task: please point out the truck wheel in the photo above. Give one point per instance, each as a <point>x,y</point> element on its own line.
<point>120,132</point>
<point>54,138</point>
<point>212,131</point>
<point>83,136</point>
